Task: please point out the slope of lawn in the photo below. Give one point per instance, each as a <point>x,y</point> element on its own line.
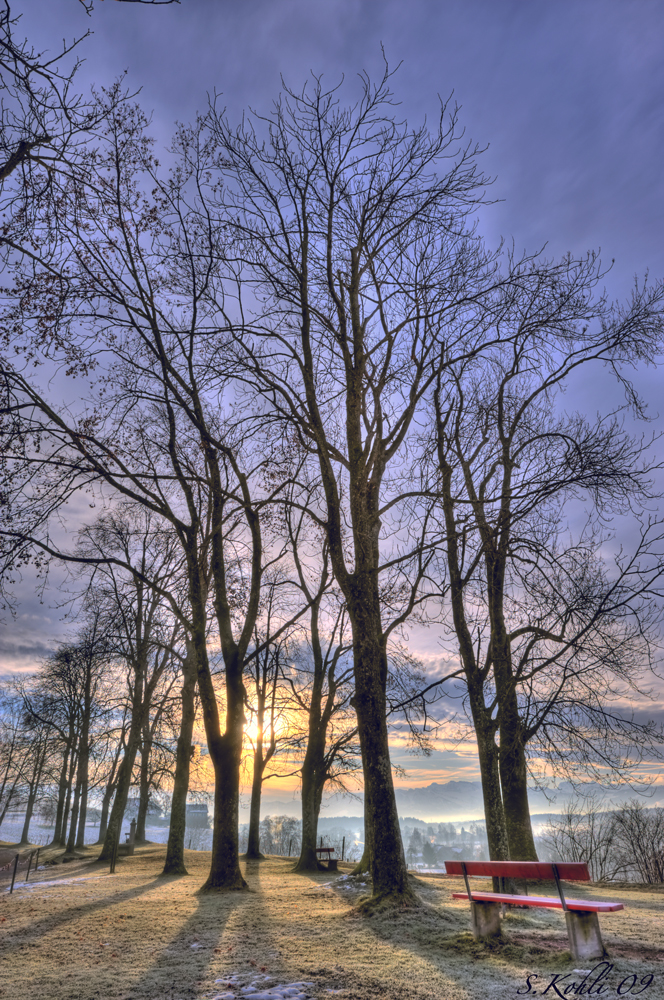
<point>75,932</point>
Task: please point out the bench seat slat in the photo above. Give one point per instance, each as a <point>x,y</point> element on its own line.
<point>572,871</point>
<point>543,901</point>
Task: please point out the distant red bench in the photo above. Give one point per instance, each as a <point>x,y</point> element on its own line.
<point>581,917</point>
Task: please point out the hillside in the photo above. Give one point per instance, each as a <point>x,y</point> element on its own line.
<point>80,933</point>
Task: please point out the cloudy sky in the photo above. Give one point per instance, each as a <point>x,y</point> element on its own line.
<point>568,97</point>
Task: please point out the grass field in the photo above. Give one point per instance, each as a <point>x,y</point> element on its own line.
<point>75,932</point>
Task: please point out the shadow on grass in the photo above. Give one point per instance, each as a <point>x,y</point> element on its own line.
<point>434,931</point>
<point>78,912</point>
<point>195,955</point>
<point>182,966</point>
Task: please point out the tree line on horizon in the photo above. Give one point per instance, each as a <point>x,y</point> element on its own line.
<point>317,411</point>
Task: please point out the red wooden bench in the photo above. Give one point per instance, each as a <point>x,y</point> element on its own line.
<point>581,917</point>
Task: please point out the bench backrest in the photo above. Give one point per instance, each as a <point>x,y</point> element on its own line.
<point>573,871</point>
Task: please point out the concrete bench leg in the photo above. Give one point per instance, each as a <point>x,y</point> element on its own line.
<point>332,865</point>
<point>585,940</point>
<point>485,920</point>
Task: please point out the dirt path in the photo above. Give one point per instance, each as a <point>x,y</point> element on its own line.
<point>80,933</point>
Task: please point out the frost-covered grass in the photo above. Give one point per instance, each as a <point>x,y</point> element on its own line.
<point>80,933</point>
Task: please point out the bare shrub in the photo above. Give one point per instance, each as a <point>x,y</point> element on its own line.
<point>638,834</point>
<point>626,843</point>
<point>585,832</point>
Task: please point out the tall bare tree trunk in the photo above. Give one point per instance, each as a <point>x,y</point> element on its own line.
<point>484,725</point>
<point>81,803</point>
<point>225,750</point>
<point>389,871</point>
<point>83,807</point>
<point>313,767</point>
<point>174,864</point>
<point>30,805</point>
<point>512,759</point>
<point>105,806</point>
<point>253,840</point>
<point>58,835</point>
<point>514,782</point>
<point>38,767</point>
<point>226,753</point>
<point>74,812</point>
<point>139,708</point>
<point>144,783</point>
<point>73,761</point>
<point>7,800</point>
<point>110,787</point>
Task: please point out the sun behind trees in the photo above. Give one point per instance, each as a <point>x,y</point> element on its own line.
<point>272,331</point>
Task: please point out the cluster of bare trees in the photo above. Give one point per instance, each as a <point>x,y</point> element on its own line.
<point>117,708</point>
<point>625,843</point>
<point>292,358</point>
<point>77,725</point>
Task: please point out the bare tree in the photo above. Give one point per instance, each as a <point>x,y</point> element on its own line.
<point>308,290</point>
<point>36,750</point>
<point>112,754</point>
<point>624,843</point>
<point>273,736</point>
<point>585,832</point>
<point>42,118</point>
<point>526,610</point>
<point>320,677</point>
<point>639,839</point>
<point>139,629</point>
<point>156,749</point>
<point>59,697</point>
<point>165,434</point>
<point>10,749</point>
<point>352,259</point>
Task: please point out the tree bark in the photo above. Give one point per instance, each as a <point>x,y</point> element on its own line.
<point>144,783</point>
<point>74,811</point>
<point>58,838</point>
<point>253,840</point>
<point>32,795</point>
<point>105,805</point>
<point>84,750</point>
<point>313,781</point>
<point>110,788</point>
<point>73,761</point>
<point>389,871</point>
<point>514,782</point>
<point>226,754</point>
<point>8,800</point>
<point>174,864</point>
<point>512,758</point>
<point>139,708</point>
<point>484,725</point>
<point>113,830</point>
<point>83,807</point>
<point>225,750</point>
